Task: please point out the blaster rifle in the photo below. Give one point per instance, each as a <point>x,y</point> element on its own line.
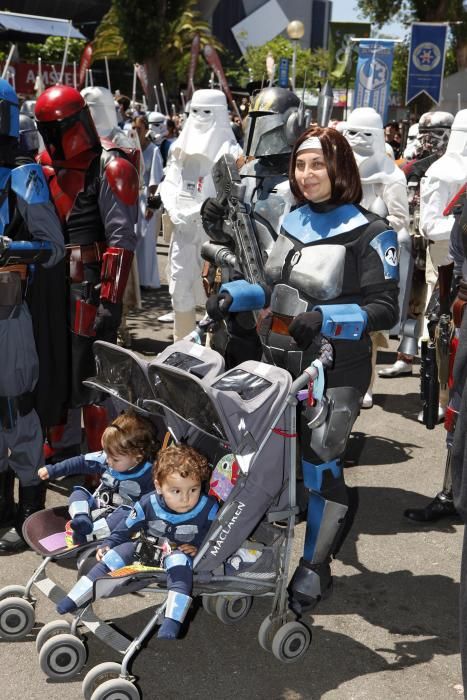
<point>23,252</point>
<point>443,331</point>
<point>231,193</point>
<point>429,383</point>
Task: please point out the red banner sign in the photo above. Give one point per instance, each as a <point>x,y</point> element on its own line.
<point>23,76</point>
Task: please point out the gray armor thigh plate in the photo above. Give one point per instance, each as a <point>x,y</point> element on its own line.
<point>317,271</point>
<point>329,439</point>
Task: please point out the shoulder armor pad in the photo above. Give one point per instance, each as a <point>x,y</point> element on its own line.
<point>29,183</point>
<point>123,180</point>
<point>385,244</point>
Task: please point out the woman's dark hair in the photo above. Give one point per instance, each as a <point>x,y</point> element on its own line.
<point>346,186</point>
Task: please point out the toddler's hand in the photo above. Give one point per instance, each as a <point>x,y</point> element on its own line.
<point>100,553</point>
<point>43,473</point>
<point>189,549</point>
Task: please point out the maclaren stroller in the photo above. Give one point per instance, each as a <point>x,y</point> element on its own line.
<point>248,414</point>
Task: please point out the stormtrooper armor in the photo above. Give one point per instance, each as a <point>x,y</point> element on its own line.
<point>413,143</point>
<point>206,136</point>
<point>157,127</point>
<point>384,189</point>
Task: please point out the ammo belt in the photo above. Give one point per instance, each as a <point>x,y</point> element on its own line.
<point>12,406</point>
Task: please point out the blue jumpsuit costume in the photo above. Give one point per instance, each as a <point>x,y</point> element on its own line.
<point>343,261</point>
<point>117,492</point>
<point>154,518</point>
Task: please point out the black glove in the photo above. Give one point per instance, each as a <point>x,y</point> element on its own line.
<point>305,327</point>
<point>217,305</point>
<point>154,201</point>
<point>108,316</point>
<point>212,212</point>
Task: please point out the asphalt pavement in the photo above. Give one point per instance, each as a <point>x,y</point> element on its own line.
<point>388,632</point>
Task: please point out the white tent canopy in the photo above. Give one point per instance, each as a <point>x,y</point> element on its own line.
<point>18,27</point>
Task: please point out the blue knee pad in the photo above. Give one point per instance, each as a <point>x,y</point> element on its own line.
<point>179,568</point>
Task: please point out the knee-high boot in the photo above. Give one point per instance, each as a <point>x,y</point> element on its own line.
<point>31,500</point>
<point>7,499</point>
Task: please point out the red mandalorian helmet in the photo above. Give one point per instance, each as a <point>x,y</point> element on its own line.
<point>65,123</point>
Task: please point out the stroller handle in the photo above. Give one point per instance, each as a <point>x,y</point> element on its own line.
<point>324,359</point>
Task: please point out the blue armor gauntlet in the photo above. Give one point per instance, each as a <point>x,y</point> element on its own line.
<point>342,321</point>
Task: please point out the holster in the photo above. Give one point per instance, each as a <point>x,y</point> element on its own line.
<point>12,406</point>
<point>85,316</point>
<point>11,294</point>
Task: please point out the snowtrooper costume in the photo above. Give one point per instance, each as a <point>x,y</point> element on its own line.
<point>206,136</point>
<point>384,193</point>
<point>410,150</point>
<point>442,181</point>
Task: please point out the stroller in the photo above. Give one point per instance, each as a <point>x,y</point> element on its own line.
<point>247,414</point>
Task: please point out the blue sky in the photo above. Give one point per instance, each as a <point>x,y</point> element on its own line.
<point>345,11</point>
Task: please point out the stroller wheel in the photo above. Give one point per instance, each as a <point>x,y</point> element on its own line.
<point>265,634</point>
<point>12,592</point>
<point>291,641</point>
<point>116,689</point>
<point>51,629</point>
<point>232,609</point>
<point>98,675</point>
<point>62,657</point>
<point>209,604</point>
<point>17,618</point>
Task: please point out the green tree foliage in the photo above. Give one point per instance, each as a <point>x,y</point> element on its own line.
<point>407,11</point>
<point>312,63</point>
<point>108,41</point>
<point>51,50</point>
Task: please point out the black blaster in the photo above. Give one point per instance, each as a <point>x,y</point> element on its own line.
<point>434,369</point>
<point>231,193</point>
<point>23,252</point>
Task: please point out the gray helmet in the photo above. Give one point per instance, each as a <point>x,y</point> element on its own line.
<point>274,123</point>
<point>434,129</point>
<point>28,134</point>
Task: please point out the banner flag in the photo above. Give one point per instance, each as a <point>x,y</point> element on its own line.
<point>426,60</point>
<point>84,64</point>
<point>190,81</point>
<point>283,73</point>
<point>373,78</point>
<point>342,52</point>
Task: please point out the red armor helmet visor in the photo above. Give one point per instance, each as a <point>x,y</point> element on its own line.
<point>70,136</point>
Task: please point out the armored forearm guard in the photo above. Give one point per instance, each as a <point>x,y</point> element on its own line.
<point>116,265</point>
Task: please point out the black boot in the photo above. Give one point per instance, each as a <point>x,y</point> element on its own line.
<point>31,500</point>
<point>309,584</point>
<point>7,500</point>
<point>440,507</point>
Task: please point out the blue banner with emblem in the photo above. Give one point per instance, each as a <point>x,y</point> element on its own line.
<point>373,77</point>
<point>426,60</point>
<point>283,80</point>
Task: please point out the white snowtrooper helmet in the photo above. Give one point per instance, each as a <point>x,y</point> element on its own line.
<point>434,129</point>
<point>207,128</point>
<point>205,106</point>
<point>458,138</point>
<point>103,109</point>
<point>364,131</point>
<point>158,123</point>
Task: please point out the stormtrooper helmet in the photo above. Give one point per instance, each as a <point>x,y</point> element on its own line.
<point>102,107</point>
<point>434,129</point>
<point>458,138</point>
<point>205,106</point>
<point>157,126</point>
<point>412,144</point>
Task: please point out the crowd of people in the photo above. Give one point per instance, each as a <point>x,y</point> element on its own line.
<point>352,229</point>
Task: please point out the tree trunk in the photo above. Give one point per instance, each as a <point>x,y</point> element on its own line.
<point>461,56</point>
<point>153,73</point>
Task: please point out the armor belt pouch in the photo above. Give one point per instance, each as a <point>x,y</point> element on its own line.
<point>11,294</point>
<point>11,406</point>
<point>85,316</point>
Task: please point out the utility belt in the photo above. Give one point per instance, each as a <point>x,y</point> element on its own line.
<point>80,255</point>
<point>12,406</point>
<point>12,286</point>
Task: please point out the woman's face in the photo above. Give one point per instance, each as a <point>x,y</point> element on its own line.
<point>312,177</point>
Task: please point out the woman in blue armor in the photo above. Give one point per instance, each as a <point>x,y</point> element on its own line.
<point>124,466</point>
<point>333,270</point>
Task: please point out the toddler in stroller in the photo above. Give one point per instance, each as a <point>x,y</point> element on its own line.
<point>128,450</point>
<point>176,517</point>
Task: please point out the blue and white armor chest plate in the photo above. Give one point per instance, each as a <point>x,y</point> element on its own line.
<point>175,532</point>
<point>116,492</point>
<point>301,256</point>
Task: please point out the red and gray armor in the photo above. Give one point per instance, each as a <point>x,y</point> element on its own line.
<point>95,189</point>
